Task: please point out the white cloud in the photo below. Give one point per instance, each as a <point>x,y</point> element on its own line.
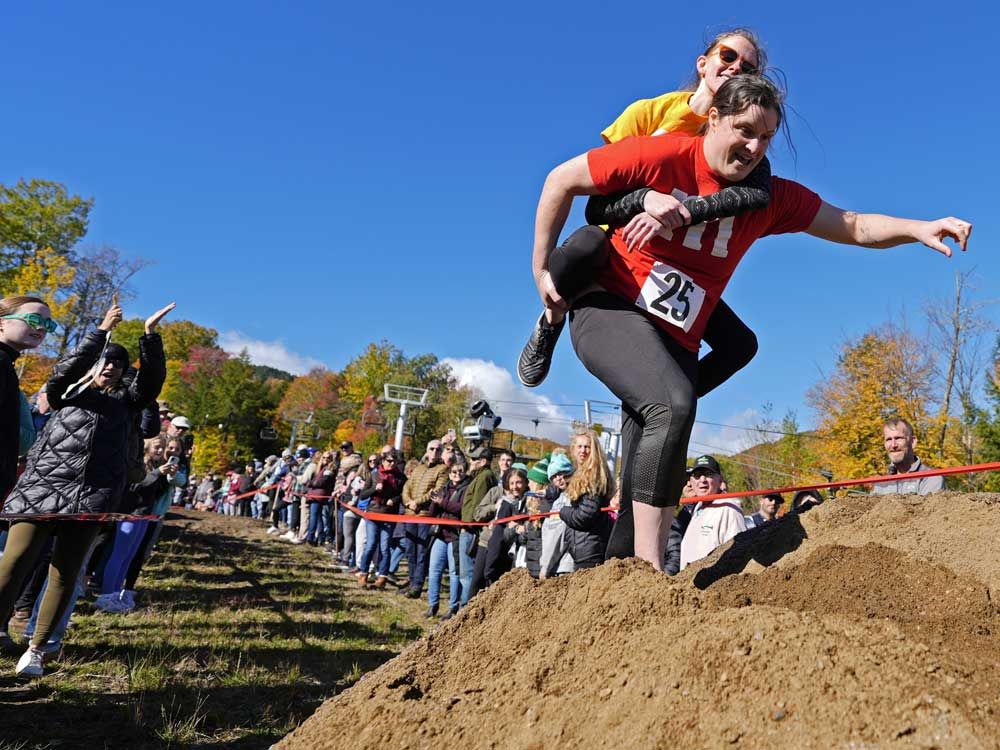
<point>270,353</point>
<point>512,401</point>
<point>726,440</point>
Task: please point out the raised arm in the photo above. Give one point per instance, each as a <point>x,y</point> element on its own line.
<point>878,231</point>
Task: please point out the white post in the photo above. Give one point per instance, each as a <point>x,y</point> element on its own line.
<point>400,423</point>
<point>613,439</point>
<point>586,412</point>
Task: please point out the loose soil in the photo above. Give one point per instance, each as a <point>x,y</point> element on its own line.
<point>865,623</point>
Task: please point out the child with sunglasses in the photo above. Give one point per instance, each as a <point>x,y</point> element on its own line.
<point>573,266</point>
<point>24,321</point>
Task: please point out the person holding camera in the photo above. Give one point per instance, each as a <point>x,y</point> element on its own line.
<point>175,449</point>
<point>156,488</point>
<point>93,413</point>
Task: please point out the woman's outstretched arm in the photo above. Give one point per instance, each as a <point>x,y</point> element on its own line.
<point>879,231</point>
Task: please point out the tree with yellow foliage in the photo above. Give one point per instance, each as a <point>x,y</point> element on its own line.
<point>47,275</point>
<point>886,372</point>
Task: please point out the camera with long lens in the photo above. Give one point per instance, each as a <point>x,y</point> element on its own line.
<point>480,432</point>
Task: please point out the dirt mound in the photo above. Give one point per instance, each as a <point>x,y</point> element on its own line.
<point>861,624</point>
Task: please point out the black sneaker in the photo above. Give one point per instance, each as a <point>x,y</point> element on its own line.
<point>536,357</point>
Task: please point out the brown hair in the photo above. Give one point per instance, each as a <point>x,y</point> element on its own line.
<point>739,93</point>
<point>510,474</point>
<point>9,304</point>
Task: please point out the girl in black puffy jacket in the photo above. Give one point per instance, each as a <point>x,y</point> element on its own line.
<point>78,465</point>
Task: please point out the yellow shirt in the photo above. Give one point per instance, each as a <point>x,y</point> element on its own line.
<point>668,113</point>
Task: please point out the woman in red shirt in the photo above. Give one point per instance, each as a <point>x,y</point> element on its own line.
<point>639,327</point>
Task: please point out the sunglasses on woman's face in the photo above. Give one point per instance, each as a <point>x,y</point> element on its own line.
<point>34,320</point>
<point>728,55</point>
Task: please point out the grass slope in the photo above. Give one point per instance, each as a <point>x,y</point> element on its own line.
<point>237,638</point>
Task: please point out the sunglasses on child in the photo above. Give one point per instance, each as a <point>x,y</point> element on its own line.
<point>34,320</point>
<point>728,55</point>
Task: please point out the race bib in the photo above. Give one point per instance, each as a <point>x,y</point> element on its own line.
<point>671,295</point>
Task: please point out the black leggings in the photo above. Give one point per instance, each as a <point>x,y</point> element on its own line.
<point>573,266</point>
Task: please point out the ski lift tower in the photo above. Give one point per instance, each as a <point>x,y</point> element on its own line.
<point>406,396</point>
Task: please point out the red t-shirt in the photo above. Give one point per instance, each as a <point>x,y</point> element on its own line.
<point>678,281</point>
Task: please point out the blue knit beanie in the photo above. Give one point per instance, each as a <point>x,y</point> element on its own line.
<point>560,465</point>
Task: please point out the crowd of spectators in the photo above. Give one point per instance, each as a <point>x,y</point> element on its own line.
<point>450,504</point>
<point>95,442</point>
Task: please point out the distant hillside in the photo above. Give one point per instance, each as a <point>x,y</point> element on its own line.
<point>264,373</point>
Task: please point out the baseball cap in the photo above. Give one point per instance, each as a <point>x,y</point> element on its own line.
<point>346,444</point>
<point>181,422</point>
<point>705,462</point>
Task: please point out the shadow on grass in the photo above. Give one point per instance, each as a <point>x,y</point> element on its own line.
<point>179,675</point>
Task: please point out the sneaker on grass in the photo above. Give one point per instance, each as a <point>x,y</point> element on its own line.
<point>536,357</point>
<point>31,664</point>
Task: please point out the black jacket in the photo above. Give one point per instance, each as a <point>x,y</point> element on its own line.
<point>388,499</point>
<point>148,491</point>
<point>10,419</point>
<point>587,531</point>
<point>498,559</point>
<point>79,462</point>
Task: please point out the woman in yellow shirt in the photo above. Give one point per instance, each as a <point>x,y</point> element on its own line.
<point>571,267</point>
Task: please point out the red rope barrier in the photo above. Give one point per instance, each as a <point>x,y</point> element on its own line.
<point>397,518</point>
<point>969,469</point>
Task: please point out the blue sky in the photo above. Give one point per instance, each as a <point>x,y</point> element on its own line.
<point>310,177</point>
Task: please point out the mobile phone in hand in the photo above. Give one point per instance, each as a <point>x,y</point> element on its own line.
<point>173,461</point>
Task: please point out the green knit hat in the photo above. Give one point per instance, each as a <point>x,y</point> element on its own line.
<point>539,472</point>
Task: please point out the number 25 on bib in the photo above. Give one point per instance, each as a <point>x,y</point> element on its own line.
<point>671,295</point>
